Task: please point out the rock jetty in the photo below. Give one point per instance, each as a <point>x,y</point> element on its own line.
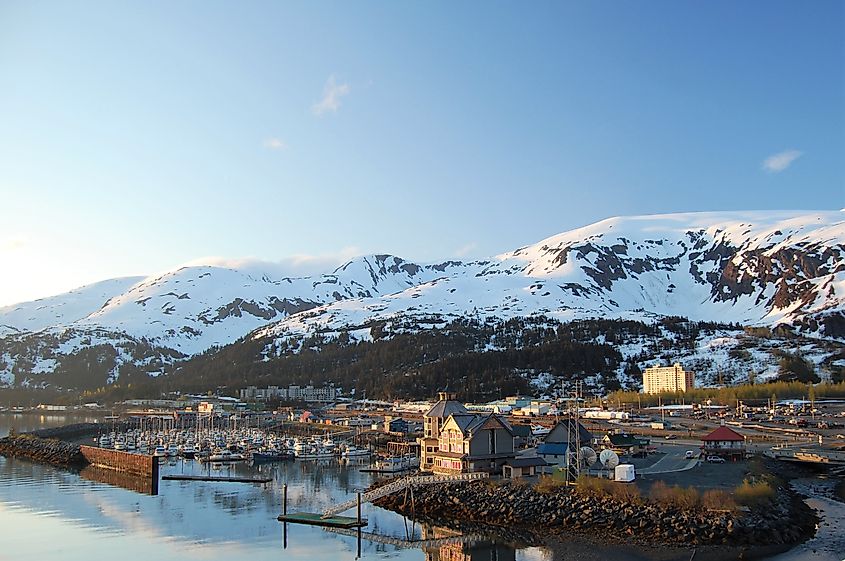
<point>43,450</point>
<point>564,510</point>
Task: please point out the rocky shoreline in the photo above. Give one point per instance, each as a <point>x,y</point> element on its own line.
<point>48,451</point>
<point>565,511</point>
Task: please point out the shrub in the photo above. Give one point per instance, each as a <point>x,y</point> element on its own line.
<point>754,493</point>
<point>547,484</point>
<point>717,499</point>
<point>675,496</point>
<point>599,487</point>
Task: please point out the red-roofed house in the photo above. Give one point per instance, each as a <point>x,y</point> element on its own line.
<point>725,443</point>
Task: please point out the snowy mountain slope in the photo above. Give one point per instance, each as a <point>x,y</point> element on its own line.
<point>64,308</point>
<point>754,268</point>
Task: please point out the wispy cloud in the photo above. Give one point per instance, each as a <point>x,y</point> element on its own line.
<point>776,163</point>
<point>299,265</point>
<point>466,249</point>
<point>332,92</point>
<point>275,144</point>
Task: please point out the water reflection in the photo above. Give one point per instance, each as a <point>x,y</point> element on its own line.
<point>85,516</point>
<point>143,485</point>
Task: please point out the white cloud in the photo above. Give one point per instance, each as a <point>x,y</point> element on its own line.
<point>275,144</point>
<point>299,265</point>
<point>332,92</point>
<point>465,250</point>
<point>776,163</point>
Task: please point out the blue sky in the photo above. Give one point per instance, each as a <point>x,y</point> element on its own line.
<point>135,137</point>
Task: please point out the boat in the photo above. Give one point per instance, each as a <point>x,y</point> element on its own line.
<point>188,452</point>
<point>271,456</point>
<point>395,464</point>
<point>225,455</point>
<point>355,452</point>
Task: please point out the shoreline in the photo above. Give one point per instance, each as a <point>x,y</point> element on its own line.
<point>563,514</point>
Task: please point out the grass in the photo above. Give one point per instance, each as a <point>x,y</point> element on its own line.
<point>754,493</point>
<point>675,496</point>
<point>717,499</point>
<point>548,484</point>
<point>600,487</point>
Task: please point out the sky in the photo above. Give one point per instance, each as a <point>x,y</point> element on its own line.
<point>137,137</point>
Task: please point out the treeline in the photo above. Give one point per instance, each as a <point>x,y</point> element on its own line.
<point>480,359</point>
<point>749,393</point>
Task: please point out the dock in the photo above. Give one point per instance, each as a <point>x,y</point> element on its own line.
<point>387,471</point>
<point>228,479</point>
<point>316,519</point>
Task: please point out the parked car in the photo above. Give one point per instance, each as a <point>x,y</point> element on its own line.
<point>715,460</point>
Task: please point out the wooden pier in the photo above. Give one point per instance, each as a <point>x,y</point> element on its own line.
<point>228,479</point>
<point>400,485</point>
<point>316,519</point>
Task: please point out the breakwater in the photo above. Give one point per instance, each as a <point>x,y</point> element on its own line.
<point>142,465</point>
<point>78,430</point>
<point>43,450</point>
<point>66,454</point>
<point>564,510</point>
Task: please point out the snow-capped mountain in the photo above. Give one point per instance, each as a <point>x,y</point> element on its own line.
<point>754,268</point>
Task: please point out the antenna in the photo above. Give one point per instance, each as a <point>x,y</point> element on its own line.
<point>608,458</point>
<point>586,457</point>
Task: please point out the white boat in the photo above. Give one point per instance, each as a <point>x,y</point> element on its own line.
<point>355,452</point>
<point>394,464</point>
<point>226,456</point>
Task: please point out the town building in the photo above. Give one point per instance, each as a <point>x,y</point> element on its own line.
<point>553,449</point>
<point>725,443</point>
<point>432,421</point>
<point>626,444</point>
<point>457,441</point>
<point>471,443</point>
<point>291,393</point>
<point>657,379</point>
<point>522,467</point>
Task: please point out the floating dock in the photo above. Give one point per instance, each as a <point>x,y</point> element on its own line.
<point>315,519</point>
<point>217,478</point>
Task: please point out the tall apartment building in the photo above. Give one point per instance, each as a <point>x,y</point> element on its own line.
<point>667,379</point>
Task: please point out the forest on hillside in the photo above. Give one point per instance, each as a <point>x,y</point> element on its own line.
<point>481,359</point>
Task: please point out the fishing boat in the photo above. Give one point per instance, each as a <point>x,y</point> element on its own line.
<point>265,456</point>
<point>225,455</point>
<point>395,464</point>
<point>352,451</point>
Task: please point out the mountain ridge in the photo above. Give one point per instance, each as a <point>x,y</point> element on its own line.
<point>759,268</point>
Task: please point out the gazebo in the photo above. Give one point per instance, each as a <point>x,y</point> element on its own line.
<point>725,443</point>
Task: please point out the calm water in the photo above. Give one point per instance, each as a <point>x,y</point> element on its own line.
<point>48,513</point>
<point>52,514</point>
